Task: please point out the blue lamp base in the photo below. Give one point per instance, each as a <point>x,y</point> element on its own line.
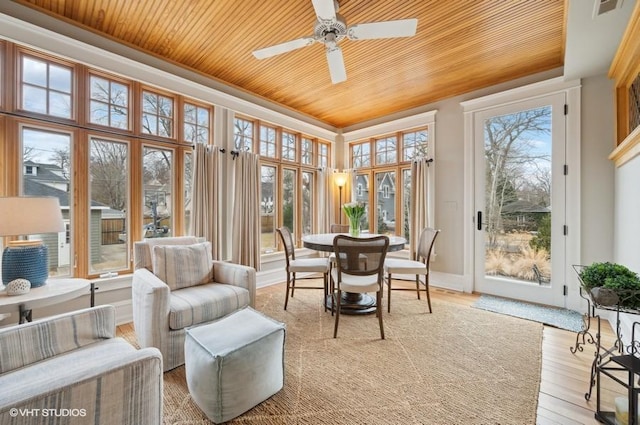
<point>27,262</point>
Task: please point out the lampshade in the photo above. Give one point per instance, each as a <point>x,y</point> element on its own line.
<point>28,216</point>
<point>340,179</point>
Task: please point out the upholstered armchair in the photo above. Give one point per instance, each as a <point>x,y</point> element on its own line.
<point>176,285</point>
<point>72,368</point>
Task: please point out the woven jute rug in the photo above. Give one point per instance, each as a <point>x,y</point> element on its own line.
<point>458,365</point>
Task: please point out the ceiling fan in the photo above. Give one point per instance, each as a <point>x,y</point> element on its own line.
<point>330,28</point>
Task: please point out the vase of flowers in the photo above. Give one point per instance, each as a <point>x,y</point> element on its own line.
<point>354,212</point>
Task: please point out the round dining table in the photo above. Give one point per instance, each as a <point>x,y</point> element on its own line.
<point>351,303</point>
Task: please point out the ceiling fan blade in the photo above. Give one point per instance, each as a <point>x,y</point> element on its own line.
<point>336,65</point>
<point>287,46</point>
<point>387,29</point>
<point>325,9</point>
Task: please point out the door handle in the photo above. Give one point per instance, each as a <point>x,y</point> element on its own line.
<point>479,220</point>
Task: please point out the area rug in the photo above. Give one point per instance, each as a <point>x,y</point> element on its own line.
<point>458,365</point>
<point>552,316</point>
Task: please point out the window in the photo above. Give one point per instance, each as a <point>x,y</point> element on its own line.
<point>307,202</point>
<point>46,87</point>
<point>196,123</point>
<point>108,205</point>
<point>157,169</point>
<point>361,155</point>
<point>267,141</point>
<point>267,209</point>
<point>289,201</point>
<point>386,150</point>
<point>157,114</point>
<point>415,144</point>
<point>287,179</point>
<point>386,203</point>
<point>49,151</point>
<point>307,151</point>
<point>243,134</point>
<point>393,160</point>
<point>323,155</point>
<point>406,202</point>
<point>109,104</point>
<point>288,146</point>
<point>188,187</point>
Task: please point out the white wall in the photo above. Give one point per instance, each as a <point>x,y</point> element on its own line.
<point>627,215</point>
<point>597,171</point>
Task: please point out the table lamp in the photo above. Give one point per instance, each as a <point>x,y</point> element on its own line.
<point>21,216</point>
<point>340,179</point>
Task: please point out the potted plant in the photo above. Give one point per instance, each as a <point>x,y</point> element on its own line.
<point>611,284</point>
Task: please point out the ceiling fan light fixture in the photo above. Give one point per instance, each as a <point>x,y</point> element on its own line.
<point>330,28</point>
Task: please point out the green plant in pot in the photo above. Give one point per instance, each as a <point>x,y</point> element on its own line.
<point>611,284</point>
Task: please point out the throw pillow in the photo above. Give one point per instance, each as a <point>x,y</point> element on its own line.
<point>181,266</point>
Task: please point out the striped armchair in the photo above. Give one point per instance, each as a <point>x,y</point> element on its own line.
<point>174,287</point>
<point>71,368</point>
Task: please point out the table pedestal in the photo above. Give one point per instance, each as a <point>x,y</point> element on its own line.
<point>354,303</point>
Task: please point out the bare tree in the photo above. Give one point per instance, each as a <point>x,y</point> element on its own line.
<point>508,154</point>
<point>108,168</point>
<point>61,158</point>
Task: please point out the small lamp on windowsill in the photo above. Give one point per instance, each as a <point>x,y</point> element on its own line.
<point>22,216</point>
<point>340,179</point>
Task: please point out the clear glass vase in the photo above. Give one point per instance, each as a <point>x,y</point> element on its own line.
<point>354,227</point>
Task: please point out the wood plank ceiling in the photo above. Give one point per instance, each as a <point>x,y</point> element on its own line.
<point>460,46</point>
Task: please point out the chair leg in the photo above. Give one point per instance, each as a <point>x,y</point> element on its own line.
<point>335,328</point>
<point>293,284</point>
<point>332,289</point>
<point>379,309</point>
<point>325,281</point>
<point>286,297</point>
<point>418,285</point>
<point>389,293</point>
<point>426,284</point>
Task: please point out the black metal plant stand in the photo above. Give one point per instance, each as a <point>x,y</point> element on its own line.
<point>589,335</point>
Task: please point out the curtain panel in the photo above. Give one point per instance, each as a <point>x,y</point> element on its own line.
<point>325,199</point>
<point>206,196</point>
<point>245,244</point>
<point>418,216</point>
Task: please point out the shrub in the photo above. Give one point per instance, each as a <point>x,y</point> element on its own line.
<point>596,274</point>
<point>497,263</point>
<point>616,277</point>
<point>531,260</point>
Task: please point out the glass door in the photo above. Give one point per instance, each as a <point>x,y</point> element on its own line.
<point>520,200</point>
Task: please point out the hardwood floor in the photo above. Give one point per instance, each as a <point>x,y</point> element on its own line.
<point>564,377</point>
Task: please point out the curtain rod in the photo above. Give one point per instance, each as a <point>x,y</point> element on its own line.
<point>234,153</point>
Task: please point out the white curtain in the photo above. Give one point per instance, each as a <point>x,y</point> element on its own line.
<point>206,196</point>
<point>245,231</point>
<point>325,199</point>
<point>419,217</point>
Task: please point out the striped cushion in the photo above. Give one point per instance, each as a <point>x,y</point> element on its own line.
<point>183,266</point>
<point>203,303</point>
<point>32,342</point>
<point>110,380</point>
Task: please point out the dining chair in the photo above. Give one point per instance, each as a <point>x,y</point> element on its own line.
<point>350,276</point>
<point>303,265</point>
<point>419,266</point>
<point>341,228</point>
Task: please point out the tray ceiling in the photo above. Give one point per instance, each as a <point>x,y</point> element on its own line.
<point>459,46</point>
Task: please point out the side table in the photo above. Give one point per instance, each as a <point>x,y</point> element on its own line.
<point>54,292</point>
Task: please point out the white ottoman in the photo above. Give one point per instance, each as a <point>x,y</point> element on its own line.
<point>234,363</point>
